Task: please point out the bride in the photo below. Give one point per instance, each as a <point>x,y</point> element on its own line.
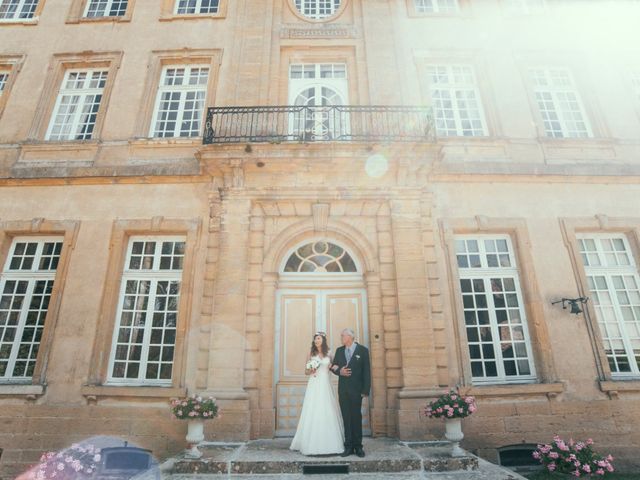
<point>320,430</point>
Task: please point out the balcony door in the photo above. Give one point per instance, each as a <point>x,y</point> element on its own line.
<point>316,89</point>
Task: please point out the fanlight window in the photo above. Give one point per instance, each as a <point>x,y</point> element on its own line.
<point>320,257</point>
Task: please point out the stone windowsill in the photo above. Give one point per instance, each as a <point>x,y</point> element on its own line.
<point>170,141</point>
<point>194,16</point>
<point>613,387</point>
<point>118,19</point>
<point>30,391</point>
<point>94,392</point>
<point>520,389</point>
<point>29,21</point>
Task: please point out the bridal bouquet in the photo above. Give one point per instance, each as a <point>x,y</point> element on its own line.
<point>451,405</point>
<point>312,364</point>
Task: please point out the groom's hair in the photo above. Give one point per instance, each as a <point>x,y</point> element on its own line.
<point>349,332</point>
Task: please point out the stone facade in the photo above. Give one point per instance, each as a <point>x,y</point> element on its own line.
<point>242,207</point>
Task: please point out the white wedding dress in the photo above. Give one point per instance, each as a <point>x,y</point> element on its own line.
<point>320,430</point>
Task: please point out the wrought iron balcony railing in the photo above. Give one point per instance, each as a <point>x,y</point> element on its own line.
<point>335,123</point>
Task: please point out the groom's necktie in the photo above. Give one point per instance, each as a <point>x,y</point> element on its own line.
<point>348,354</point>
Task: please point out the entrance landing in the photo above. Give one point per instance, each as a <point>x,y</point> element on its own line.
<point>384,456</point>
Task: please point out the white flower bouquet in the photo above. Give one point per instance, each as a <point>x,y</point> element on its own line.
<point>313,364</point>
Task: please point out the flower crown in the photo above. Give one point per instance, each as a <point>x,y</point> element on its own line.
<point>322,334</point>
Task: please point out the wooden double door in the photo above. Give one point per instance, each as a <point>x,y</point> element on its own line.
<point>299,314</point>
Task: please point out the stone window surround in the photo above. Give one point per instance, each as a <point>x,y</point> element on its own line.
<point>27,21</point>
<point>578,67</point>
<point>12,64</point>
<point>160,59</point>
<point>480,64</point>
<point>37,227</point>
<point>630,226</point>
<point>168,8</point>
<point>464,10</point>
<point>59,65</point>
<point>78,7</point>
<point>337,14</point>
<point>516,228</point>
<point>341,54</point>
<point>98,371</point>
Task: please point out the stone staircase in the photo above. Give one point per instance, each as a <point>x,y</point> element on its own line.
<point>385,458</point>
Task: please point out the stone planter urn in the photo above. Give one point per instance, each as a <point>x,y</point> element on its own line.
<point>453,433</point>
<point>195,435</point>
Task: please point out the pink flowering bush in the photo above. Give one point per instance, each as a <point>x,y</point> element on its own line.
<point>76,462</point>
<point>575,458</point>
<point>194,407</point>
<point>451,405</point>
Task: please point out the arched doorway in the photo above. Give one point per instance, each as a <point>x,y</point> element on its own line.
<point>320,288</point>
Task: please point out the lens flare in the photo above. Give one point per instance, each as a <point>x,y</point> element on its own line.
<point>376,165</point>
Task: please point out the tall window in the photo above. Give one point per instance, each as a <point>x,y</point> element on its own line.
<point>76,109</point>
<point>180,101</point>
<point>17,9</point>
<point>456,100</point>
<point>189,7</point>
<point>25,286</point>
<point>436,6</point>
<point>526,7</point>
<point>495,320</point>
<point>615,292</point>
<point>319,86</point>
<point>317,9</point>
<point>635,81</point>
<point>145,333</point>
<point>559,104</point>
<point>4,77</point>
<point>106,8</point>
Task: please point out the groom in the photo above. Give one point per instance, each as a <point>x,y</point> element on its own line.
<point>351,363</point>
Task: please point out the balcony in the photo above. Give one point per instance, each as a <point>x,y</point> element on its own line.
<point>305,124</point>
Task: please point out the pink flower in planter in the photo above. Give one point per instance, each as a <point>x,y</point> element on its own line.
<point>599,471</point>
<point>551,467</point>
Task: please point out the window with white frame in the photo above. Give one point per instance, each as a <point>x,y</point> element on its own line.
<point>145,333</point>
<point>4,78</point>
<point>525,7</point>
<point>436,6</point>
<point>319,86</point>
<point>456,100</point>
<point>77,106</point>
<point>180,102</point>
<point>25,290</point>
<point>105,8</point>
<point>635,82</point>
<point>318,9</point>
<point>17,9</point>
<point>194,7</point>
<point>559,103</point>
<point>613,279</point>
<point>495,320</point>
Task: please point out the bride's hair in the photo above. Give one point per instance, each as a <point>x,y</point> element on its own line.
<point>324,347</point>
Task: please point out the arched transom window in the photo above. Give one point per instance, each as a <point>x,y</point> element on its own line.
<point>317,9</point>
<point>320,257</point>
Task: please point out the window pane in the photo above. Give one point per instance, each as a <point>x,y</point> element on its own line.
<point>144,341</point>
<point>613,284</point>
<point>26,285</point>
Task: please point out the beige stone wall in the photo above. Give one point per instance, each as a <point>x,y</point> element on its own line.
<point>243,207</point>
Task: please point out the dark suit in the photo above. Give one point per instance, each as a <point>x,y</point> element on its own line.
<point>350,391</point>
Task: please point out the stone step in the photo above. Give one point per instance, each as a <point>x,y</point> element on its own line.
<point>273,457</point>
